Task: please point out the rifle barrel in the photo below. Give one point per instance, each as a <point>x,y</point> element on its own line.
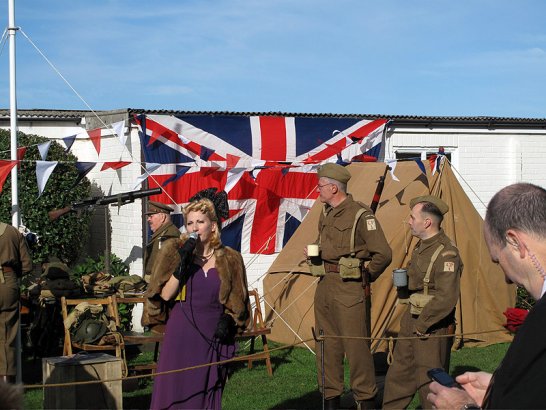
<point>126,197</point>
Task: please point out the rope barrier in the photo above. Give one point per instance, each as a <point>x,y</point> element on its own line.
<point>153,375</point>
<point>319,338</point>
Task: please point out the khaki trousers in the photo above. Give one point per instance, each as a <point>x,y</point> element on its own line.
<point>9,322</point>
<point>412,359</point>
<point>340,311</point>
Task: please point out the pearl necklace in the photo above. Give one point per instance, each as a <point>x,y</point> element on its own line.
<point>205,258</point>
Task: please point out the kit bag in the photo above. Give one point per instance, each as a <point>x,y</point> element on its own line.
<point>418,301</point>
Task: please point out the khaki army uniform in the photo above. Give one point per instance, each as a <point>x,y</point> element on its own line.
<point>160,261</point>
<point>15,260</point>
<point>412,358</point>
<point>340,308</point>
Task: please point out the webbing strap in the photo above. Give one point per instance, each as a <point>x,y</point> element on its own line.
<point>353,232</point>
<point>426,279</point>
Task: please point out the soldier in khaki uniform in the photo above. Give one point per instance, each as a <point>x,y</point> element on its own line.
<point>15,261</point>
<point>340,305</point>
<point>160,260</point>
<point>413,357</point>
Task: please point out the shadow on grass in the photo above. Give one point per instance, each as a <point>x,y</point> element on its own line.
<point>311,400</point>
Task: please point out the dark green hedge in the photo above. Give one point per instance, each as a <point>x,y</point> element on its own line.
<point>66,236</point>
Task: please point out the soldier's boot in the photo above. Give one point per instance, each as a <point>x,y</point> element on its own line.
<point>333,403</point>
<point>365,404</point>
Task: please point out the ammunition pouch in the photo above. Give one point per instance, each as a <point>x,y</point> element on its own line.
<point>316,267</point>
<point>349,268</point>
<point>418,301</point>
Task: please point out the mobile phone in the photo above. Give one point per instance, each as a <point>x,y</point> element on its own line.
<point>441,376</point>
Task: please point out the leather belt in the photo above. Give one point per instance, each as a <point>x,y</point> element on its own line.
<point>331,267</point>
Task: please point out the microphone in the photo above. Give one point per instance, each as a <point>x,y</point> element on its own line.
<point>185,253</point>
<point>190,243</point>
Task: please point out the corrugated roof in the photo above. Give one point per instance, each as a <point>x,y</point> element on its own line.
<point>397,120</point>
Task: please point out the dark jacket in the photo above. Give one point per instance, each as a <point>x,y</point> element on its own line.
<point>518,381</point>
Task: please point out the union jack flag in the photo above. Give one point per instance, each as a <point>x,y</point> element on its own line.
<point>267,164</point>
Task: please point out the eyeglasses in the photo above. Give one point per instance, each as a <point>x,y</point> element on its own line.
<point>322,186</point>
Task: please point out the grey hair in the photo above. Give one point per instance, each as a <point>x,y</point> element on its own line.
<point>341,186</point>
<point>519,206</point>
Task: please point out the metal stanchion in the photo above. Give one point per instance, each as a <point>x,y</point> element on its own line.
<point>321,333</point>
<point>320,340</point>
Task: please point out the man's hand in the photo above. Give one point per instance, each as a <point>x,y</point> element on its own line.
<point>422,335</point>
<point>474,384</point>
<point>443,397</point>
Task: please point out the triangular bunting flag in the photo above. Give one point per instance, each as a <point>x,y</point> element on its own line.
<point>181,171</point>
<point>83,169</point>
<point>150,167</point>
<point>68,141</point>
<point>432,161</point>
<point>392,165</point>
<point>44,149</point>
<point>43,172</point>
<point>340,160</point>
<point>421,166</point>
<point>231,161</point>
<point>205,153</point>
<point>94,136</point>
<point>437,163</point>
<point>233,176</point>
<point>21,151</point>
<point>5,168</point>
<point>114,165</point>
<point>119,129</point>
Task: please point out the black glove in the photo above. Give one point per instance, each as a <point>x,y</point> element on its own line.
<point>186,255</point>
<point>225,329</point>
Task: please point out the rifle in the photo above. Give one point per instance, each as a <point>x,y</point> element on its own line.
<point>120,199</point>
<point>366,281</point>
<point>379,190</point>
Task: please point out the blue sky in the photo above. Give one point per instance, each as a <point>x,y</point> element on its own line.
<point>391,57</point>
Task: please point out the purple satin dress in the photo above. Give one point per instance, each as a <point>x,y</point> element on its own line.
<point>189,342</point>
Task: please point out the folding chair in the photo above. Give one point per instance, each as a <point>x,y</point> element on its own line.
<point>111,313</point>
<point>132,338</point>
<point>256,328</point>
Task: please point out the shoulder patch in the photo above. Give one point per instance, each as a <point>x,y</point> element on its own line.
<point>370,224</point>
<point>449,253</point>
<point>449,266</point>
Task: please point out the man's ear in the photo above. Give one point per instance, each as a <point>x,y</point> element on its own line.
<point>514,239</point>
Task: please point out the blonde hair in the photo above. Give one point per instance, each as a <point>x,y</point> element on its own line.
<point>205,206</point>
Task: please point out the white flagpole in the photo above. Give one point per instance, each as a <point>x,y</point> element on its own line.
<point>15,217</point>
<point>13,114</point>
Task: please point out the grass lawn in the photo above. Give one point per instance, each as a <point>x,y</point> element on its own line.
<point>293,385</point>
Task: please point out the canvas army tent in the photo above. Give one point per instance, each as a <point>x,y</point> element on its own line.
<point>289,288</point>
